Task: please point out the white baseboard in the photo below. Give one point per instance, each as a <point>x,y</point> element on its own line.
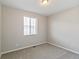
<point>40,44</point>
<point>64,48</point>
<point>23,48</point>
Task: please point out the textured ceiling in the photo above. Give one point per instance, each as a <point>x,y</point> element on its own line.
<point>54,6</point>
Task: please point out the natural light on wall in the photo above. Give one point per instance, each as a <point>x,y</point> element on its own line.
<point>30,26</point>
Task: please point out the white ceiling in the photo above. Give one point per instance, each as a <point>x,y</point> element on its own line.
<point>35,6</point>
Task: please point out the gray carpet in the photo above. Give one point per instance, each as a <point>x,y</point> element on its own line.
<point>45,51</point>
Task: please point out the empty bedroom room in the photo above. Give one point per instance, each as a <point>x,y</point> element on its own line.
<point>39,29</point>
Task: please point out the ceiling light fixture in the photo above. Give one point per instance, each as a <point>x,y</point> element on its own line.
<point>45,2</point>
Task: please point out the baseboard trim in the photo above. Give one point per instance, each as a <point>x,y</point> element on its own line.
<point>64,48</point>
<point>22,48</point>
<point>39,44</point>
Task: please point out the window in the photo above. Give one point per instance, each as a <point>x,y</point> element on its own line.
<point>30,26</point>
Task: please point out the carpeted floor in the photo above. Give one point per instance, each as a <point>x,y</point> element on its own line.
<point>45,51</point>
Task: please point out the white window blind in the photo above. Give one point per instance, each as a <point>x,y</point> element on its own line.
<point>30,26</point>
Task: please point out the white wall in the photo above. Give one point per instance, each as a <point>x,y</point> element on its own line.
<point>13,34</point>
<point>0,30</point>
<point>64,29</point>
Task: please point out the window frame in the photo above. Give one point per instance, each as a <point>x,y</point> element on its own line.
<point>30,26</point>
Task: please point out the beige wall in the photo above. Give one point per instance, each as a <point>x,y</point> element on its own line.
<point>0,30</point>
<point>13,37</point>
<point>64,29</point>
